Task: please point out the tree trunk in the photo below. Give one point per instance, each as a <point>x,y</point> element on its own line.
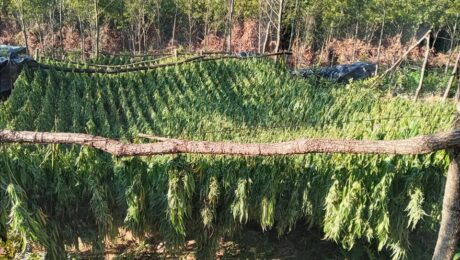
<point>435,39</point>
<point>422,73</point>
<point>452,77</point>
<point>96,12</point>
<point>355,39</point>
<point>279,25</point>
<point>380,43</point>
<point>298,42</point>
<point>259,29</point>
<point>452,40</point>
<point>173,38</point>
<point>325,43</point>
<point>82,37</point>
<point>159,42</point>
<point>123,42</point>
<point>230,25</point>
<point>371,34</point>
<point>190,26</point>
<point>206,22</point>
<point>61,37</point>
<point>294,24</point>
<point>267,36</point>
<point>41,31</point>
<point>366,29</point>
<point>144,36</point>
<point>450,222</point>
<point>133,39</point>
<point>142,30</point>
<point>23,25</point>
<point>139,35</point>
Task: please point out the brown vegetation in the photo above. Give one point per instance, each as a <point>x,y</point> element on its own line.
<point>244,38</point>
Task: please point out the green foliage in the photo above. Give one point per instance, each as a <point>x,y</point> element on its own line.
<point>53,195</point>
<point>405,80</point>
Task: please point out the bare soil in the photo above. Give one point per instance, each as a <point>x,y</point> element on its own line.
<point>252,244</point>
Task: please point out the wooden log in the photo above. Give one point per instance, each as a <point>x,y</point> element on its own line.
<point>450,221</point>
<point>449,231</point>
<point>417,145</point>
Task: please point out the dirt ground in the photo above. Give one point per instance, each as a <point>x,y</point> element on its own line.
<point>252,244</point>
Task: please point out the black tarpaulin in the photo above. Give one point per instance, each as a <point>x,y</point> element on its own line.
<point>11,60</point>
<point>341,73</point>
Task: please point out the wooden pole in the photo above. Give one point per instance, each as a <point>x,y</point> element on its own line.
<point>452,77</point>
<point>450,222</point>
<point>422,73</point>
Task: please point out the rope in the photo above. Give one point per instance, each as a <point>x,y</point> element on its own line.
<point>165,54</point>
<point>144,68</point>
<point>112,66</point>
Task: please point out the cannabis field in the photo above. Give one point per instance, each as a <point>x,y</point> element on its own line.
<point>52,196</point>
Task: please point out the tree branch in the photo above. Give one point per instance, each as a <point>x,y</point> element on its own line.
<point>396,63</point>
<point>417,145</point>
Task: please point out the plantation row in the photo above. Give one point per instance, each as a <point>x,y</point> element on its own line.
<point>54,194</point>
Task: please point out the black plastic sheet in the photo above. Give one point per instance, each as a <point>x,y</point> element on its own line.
<point>12,59</point>
<point>340,73</point>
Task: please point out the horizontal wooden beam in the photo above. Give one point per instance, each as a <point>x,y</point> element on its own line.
<point>416,145</point>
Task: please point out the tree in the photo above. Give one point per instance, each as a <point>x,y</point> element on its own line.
<point>20,6</point>
<point>231,5</point>
<point>279,24</point>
